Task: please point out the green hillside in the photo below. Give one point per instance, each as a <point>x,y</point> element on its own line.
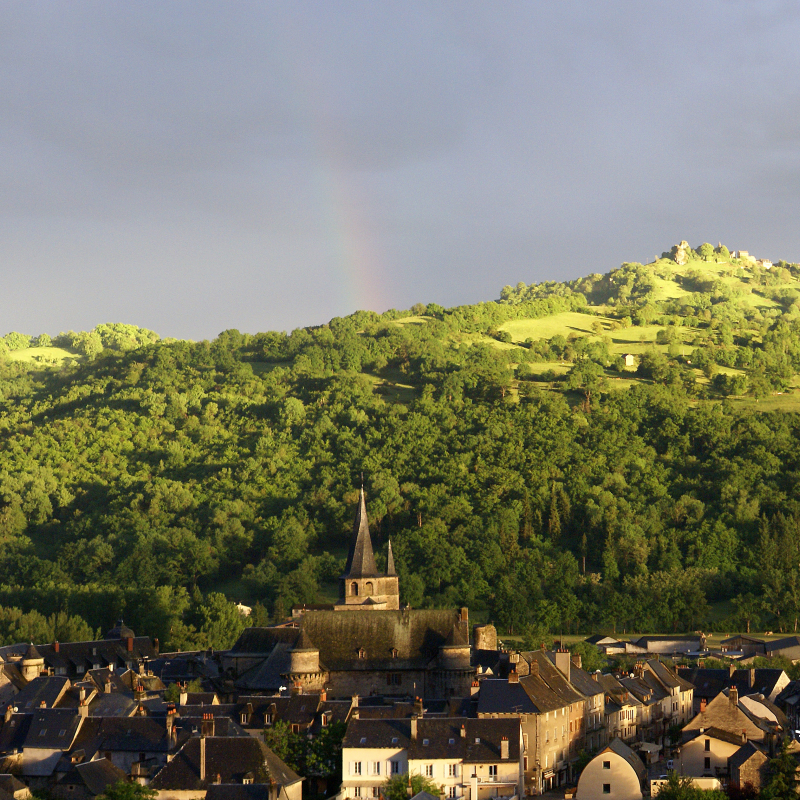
<point>516,462</point>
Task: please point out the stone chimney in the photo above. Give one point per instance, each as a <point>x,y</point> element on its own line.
<point>513,676</point>
<point>56,646</point>
<point>504,748</point>
<point>464,614</point>
<point>83,709</point>
<point>207,725</point>
<point>10,711</point>
<point>513,658</point>
<point>107,686</point>
<point>418,709</point>
<point>733,696</point>
<point>183,696</point>
<point>563,662</point>
<point>576,660</point>
<point>752,677</point>
<point>171,726</point>
<point>731,670</point>
<point>82,694</point>
<point>202,758</point>
<point>129,643</point>
<point>414,723</point>
<point>463,730</point>
<point>703,704</point>
<point>534,667</point>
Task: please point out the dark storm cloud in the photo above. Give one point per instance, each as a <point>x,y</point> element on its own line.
<point>197,166</point>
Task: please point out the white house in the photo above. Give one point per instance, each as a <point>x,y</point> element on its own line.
<point>615,772</point>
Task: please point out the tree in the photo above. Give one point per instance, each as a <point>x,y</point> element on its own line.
<point>782,784</point>
<point>396,787</point>
<point>127,791</point>
<point>288,746</point>
<point>588,377</point>
<point>706,251</point>
<point>680,787</point>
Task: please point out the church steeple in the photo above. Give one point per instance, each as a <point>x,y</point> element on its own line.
<point>390,573</point>
<point>361,559</point>
<point>361,586</point>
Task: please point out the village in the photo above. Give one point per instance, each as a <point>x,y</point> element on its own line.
<point>412,693</point>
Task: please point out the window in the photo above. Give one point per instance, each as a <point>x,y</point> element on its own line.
<point>376,791</point>
<point>296,728</point>
<point>394,740</point>
<point>492,772</point>
<point>706,763</point>
<point>363,740</point>
<point>708,745</point>
<point>451,741</point>
<point>356,768</point>
<point>547,735</point>
<point>376,767</point>
<point>62,732</point>
<point>453,791</point>
<point>356,791</point>
<point>452,770</point>
<point>429,770</point>
<point>362,653</point>
<point>525,763</point>
<point>606,788</point>
<point>395,767</point>
<point>426,742</point>
<point>368,588</point>
<point>43,732</point>
<point>606,765</point>
<point>354,592</point>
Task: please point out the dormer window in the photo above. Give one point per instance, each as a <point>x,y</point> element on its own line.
<point>363,740</point>
<point>451,741</point>
<point>395,651</point>
<point>426,742</point>
<point>362,653</point>
<point>394,740</point>
<point>477,740</point>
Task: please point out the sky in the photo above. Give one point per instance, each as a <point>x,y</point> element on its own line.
<point>191,167</point>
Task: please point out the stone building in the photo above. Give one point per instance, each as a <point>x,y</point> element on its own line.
<point>364,643</point>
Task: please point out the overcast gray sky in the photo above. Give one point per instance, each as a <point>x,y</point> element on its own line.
<point>196,166</point>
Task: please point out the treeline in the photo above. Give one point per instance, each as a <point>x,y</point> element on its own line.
<point>160,480</point>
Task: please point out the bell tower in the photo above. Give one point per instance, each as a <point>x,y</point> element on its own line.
<point>361,586</point>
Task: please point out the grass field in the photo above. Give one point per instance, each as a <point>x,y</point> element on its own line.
<point>547,327</point>
<point>42,356</point>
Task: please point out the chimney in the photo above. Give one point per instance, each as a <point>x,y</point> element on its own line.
<point>9,712</point>
<point>576,660</point>
<point>202,758</point>
<point>83,709</point>
<point>107,686</point>
<point>534,667</point>
<point>475,688</point>
<point>464,615</point>
<point>703,704</point>
<point>56,646</point>
<point>752,677</point>
<point>156,646</point>
<point>129,642</point>
<point>513,658</point>
<point>418,709</point>
<point>731,670</point>
<point>323,696</point>
<point>563,662</point>
<point>171,726</point>
<point>463,731</point>
<point>638,669</point>
<point>183,696</point>
<point>504,748</point>
<point>142,670</point>
<point>219,778</point>
<point>82,694</point>
<point>207,726</point>
<point>733,696</point>
<point>42,704</point>
<point>513,677</point>
<point>414,729</point>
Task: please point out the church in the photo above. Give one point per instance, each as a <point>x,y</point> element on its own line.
<point>364,644</point>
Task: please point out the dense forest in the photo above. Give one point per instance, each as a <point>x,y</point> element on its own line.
<point>160,480</point>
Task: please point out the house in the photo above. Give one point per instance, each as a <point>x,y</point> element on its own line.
<point>551,712</point>
<point>745,644</point>
<point>87,780</point>
<point>788,701</point>
<point>708,683</point>
<point>629,359</point>
<point>364,645</point>
<point>622,709</point>
<point>472,759</point>
<point>788,647</point>
<point>13,787</point>
<point>669,645</point>
<point>704,753</point>
<point>594,726</point>
<point>228,763</point>
<point>748,767</point>
<point>616,772</point>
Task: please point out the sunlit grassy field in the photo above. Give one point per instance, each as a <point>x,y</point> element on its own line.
<point>42,356</point>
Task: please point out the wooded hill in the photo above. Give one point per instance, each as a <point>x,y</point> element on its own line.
<point>159,480</point>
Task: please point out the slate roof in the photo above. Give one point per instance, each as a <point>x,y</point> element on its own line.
<point>112,704</point>
<point>13,732</point>
<point>722,714</point>
<point>230,758</point>
<point>44,689</point>
<point>480,742</point>
<point>584,682</point>
<point>621,749</point>
<point>120,631</point>
<point>126,734</point>
<point>710,682</point>
<point>744,754</point>
<point>95,775</point>
<point>498,696</point>
<point>390,571</point>
<point>360,559</point>
<point>52,729</point>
